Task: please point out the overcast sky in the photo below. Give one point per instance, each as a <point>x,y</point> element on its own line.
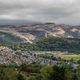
<point>59,11</point>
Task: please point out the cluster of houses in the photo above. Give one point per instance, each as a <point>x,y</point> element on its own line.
<point>8,56</point>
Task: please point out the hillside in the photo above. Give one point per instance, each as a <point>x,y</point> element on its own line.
<point>53,44</point>
<point>29,32</point>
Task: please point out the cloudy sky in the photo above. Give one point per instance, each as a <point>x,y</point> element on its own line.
<point>59,11</point>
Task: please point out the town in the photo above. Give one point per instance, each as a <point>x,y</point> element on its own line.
<point>18,57</point>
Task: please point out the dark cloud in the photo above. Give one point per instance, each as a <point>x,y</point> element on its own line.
<point>60,11</point>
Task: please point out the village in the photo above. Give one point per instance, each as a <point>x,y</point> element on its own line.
<point>18,57</point>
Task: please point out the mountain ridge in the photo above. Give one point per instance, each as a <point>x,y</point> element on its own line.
<point>29,32</point>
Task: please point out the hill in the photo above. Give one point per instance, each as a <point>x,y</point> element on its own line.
<point>30,32</point>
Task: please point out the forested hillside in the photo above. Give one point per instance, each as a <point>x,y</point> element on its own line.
<point>50,44</point>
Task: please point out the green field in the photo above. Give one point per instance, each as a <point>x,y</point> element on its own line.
<point>70,57</point>
<point>57,54</point>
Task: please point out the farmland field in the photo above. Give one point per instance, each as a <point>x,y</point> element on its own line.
<point>69,57</point>
<point>63,55</point>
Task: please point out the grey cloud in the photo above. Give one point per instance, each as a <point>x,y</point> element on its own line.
<point>60,11</point>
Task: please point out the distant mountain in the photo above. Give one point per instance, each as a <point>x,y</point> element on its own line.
<point>16,22</point>
<point>31,31</point>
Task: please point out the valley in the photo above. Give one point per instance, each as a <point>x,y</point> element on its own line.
<point>40,52</point>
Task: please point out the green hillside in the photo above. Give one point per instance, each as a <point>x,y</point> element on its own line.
<point>53,44</point>
<point>6,38</point>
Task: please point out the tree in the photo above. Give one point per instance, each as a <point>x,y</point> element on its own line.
<point>46,72</point>
<point>20,77</point>
<point>59,73</point>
